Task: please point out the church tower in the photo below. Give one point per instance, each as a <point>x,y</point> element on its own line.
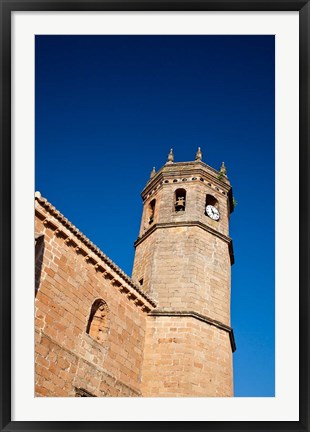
<point>183,260</point>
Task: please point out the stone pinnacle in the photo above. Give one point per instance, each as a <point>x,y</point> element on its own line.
<point>153,172</point>
<point>198,154</point>
<point>223,169</point>
<point>170,157</point>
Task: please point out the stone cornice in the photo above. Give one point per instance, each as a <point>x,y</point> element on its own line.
<point>199,224</point>
<point>200,317</point>
<point>189,168</point>
<point>61,226</point>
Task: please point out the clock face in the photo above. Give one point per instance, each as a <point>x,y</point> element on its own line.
<point>212,212</point>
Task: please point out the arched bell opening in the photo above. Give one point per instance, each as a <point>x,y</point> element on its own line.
<point>210,200</point>
<point>180,200</point>
<point>212,208</point>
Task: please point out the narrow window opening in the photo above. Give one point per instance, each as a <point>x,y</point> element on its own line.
<point>141,281</point>
<point>39,253</point>
<point>152,211</point>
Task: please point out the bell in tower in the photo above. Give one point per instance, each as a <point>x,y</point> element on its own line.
<point>180,196</point>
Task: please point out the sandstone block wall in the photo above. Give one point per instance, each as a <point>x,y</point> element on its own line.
<point>186,268</point>
<point>183,260</point>
<point>186,357</point>
<point>165,332</point>
<point>68,283</point>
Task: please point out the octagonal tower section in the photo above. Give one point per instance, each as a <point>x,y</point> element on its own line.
<point>183,260</point>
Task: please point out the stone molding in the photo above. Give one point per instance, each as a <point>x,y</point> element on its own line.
<point>200,317</point>
<point>199,224</point>
<point>81,392</point>
<point>92,254</point>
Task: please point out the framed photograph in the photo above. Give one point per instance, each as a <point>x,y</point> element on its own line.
<point>201,110</point>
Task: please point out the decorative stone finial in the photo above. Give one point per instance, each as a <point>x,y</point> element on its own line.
<point>153,172</point>
<point>198,154</point>
<point>170,157</point>
<point>37,194</point>
<point>223,169</point>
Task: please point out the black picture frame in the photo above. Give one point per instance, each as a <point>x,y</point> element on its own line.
<point>6,8</point>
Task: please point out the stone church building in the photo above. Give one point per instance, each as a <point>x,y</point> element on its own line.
<point>165,331</point>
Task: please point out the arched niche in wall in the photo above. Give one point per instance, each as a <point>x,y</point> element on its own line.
<point>98,322</point>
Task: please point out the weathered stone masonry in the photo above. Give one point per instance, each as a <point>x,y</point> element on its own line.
<point>73,275</point>
<point>184,259</point>
<point>165,331</point>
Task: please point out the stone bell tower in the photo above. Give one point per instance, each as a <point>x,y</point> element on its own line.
<point>183,260</point>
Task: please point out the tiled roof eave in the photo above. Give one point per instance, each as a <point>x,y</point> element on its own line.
<point>44,203</point>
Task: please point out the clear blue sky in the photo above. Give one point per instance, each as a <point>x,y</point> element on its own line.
<point>109,108</point>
